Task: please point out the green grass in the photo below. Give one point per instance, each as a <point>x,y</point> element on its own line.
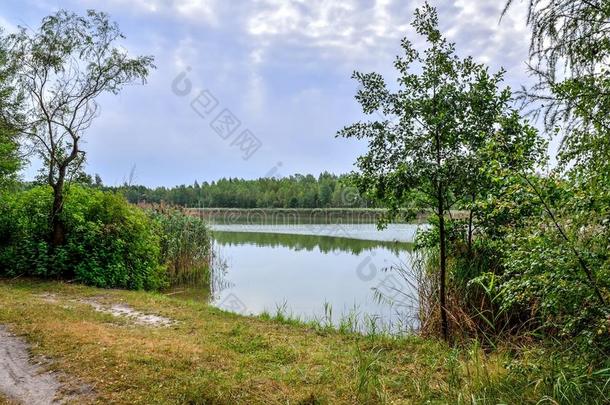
<point>213,357</point>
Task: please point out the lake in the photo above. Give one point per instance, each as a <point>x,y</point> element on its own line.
<point>329,273</point>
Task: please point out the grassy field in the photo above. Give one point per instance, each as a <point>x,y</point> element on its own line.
<point>212,357</point>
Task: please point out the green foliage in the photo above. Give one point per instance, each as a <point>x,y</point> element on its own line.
<point>9,157</point>
<point>445,113</point>
<point>369,387</point>
<point>557,264</point>
<point>569,55</point>
<point>544,272</point>
<point>10,161</point>
<point>296,191</point>
<point>109,242</point>
<point>62,67</point>
<point>452,122</point>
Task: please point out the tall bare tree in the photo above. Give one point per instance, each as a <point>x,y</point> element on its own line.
<point>62,68</point>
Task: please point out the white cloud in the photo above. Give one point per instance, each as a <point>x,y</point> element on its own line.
<point>477,30</point>
<point>348,27</point>
<point>257,56</point>
<point>185,53</point>
<point>282,65</point>
<point>278,18</point>
<point>347,30</point>
<point>199,10</point>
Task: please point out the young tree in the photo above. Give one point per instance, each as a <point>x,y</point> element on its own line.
<point>62,68</point>
<point>446,108</point>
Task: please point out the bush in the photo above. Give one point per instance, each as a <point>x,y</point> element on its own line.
<point>109,242</point>
<point>544,276</point>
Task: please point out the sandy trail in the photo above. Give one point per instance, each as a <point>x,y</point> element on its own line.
<point>122,310</point>
<point>119,310</point>
<point>21,379</point>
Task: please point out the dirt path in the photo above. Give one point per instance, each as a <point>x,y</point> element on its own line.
<point>21,379</point>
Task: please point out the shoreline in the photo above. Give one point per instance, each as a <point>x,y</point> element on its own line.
<point>294,216</point>
<point>206,355</point>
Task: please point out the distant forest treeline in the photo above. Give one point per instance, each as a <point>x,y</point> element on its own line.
<point>296,191</point>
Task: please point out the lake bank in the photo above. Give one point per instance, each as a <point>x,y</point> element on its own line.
<point>210,356</point>
<point>290,216</point>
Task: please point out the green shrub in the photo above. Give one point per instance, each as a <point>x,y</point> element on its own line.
<point>544,277</point>
<point>109,243</point>
<point>25,229</point>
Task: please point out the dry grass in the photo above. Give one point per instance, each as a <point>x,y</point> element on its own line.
<point>5,401</point>
<point>210,356</point>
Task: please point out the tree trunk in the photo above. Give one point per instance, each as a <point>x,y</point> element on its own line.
<point>470,215</point>
<point>441,229</point>
<point>58,231</point>
<point>443,267</point>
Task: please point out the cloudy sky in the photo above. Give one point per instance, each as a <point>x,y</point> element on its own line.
<point>279,68</point>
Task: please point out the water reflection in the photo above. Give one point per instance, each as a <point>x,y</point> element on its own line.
<point>315,276</point>
<point>296,242</point>
<point>392,233</point>
<point>311,273</point>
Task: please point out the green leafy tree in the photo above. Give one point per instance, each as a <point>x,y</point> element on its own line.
<point>447,109</point>
<point>62,68</point>
<point>297,191</point>
<point>10,159</point>
<point>570,57</point>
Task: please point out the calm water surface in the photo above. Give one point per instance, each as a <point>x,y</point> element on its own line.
<point>394,232</point>
<point>305,268</point>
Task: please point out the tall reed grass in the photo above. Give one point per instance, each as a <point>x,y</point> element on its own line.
<point>186,247</point>
<point>495,357</point>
